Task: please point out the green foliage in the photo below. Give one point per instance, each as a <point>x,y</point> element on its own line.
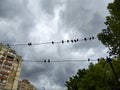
<point>98,76</point>
<point>110,36</point>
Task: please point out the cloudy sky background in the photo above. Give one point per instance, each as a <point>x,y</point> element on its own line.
<point>23,21</point>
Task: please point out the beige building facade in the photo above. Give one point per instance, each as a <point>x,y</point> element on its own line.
<point>10,67</point>
<point>25,85</point>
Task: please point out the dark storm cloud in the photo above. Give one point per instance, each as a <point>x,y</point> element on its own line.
<point>12,9</point>
<point>36,71</point>
<point>83,16</point>
<point>78,18</point>
<point>93,27</point>
<point>57,73</point>
<point>63,73</point>
<point>48,6</point>
<point>16,22</point>
<point>17,12</point>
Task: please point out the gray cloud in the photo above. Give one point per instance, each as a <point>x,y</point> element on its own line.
<point>48,6</point>
<point>23,21</point>
<point>17,18</point>
<point>84,17</point>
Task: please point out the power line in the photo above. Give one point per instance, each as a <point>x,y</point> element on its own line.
<point>58,61</point>
<point>54,42</point>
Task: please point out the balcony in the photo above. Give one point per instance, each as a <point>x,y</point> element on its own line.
<point>0,62</point>
<point>4,54</point>
<point>9,59</point>
<point>7,63</point>
<point>10,56</point>
<point>7,68</point>
<point>1,59</point>
<point>3,77</point>
<point>12,51</point>
<point>4,73</point>
<point>2,86</point>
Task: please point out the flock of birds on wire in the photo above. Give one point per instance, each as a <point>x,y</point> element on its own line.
<point>54,42</point>
<point>48,60</point>
<point>58,42</point>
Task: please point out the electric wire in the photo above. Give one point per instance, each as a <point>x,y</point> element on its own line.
<point>57,61</point>
<point>54,42</point>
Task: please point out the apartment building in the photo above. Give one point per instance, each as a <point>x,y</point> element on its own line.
<point>25,85</point>
<point>10,67</point>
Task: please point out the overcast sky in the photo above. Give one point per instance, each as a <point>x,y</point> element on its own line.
<point>23,21</point>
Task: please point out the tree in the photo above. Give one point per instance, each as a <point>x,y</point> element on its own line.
<point>110,36</point>
<point>98,76</point>
<point>75,81</point>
